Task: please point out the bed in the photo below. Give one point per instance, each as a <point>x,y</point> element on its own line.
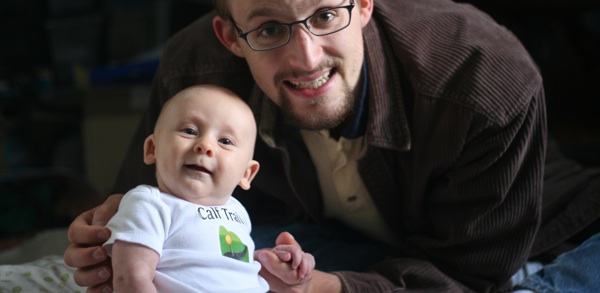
<point>36,209</point>
<point>36,265</point>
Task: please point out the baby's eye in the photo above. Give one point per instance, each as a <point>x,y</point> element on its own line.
<point>225,141</point>
<point>189,131</point>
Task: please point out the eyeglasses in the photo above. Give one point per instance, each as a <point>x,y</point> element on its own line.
<point>275,35</point>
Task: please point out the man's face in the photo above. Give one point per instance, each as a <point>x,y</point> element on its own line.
<point>313,78</point>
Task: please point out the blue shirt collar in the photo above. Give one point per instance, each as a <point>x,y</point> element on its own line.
<point>356,128</point>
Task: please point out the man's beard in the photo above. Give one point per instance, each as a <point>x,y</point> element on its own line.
<point>321,118</point>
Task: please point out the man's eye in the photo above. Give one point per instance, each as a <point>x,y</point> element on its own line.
<point>225,141</point>
<point>189,131</point>
<point>269,31</point>
<point>324,17</point>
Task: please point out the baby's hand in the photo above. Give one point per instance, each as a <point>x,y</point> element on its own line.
<point>285,265</point>
<point>301,261</point>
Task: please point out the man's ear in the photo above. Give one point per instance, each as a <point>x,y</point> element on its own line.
<point>366,10</point>
<point>149,150</point>
<point>226,34</point>
<point>249,174</point>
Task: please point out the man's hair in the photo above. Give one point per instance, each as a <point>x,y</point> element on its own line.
<point>222,8</point>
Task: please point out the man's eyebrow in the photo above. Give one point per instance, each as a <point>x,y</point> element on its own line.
<point>270,11</point>
<point>262,12</point>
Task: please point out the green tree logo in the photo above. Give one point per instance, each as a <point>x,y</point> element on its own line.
<point>232,246</point>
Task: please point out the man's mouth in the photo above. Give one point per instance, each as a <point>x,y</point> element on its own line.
<point>198,168</point>
<point>311,85</point>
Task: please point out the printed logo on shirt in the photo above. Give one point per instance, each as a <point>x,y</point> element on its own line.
<point>232,246</point>
<point>218,213</point>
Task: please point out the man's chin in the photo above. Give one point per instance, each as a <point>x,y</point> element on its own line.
<point>316,114</point>
<point>314,121</point>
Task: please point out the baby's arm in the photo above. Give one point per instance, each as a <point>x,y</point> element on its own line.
<point>134,266</point>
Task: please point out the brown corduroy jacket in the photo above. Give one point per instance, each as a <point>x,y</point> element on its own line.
<point>456,138</point>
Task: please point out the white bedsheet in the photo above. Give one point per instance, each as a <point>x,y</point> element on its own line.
<point>37,265</point>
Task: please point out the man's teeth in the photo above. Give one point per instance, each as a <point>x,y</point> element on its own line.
<point>312,84</point>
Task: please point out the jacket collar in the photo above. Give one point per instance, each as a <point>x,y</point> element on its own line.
<point>387,125</point>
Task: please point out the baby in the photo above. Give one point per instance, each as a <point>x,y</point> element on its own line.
<point>190,234</point>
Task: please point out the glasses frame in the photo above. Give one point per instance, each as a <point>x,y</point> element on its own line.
<point>244,35</point>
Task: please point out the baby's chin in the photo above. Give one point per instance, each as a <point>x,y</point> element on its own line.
<point>200,198</point>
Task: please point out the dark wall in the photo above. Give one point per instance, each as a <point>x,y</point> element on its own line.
<point>41,40</point>
<point>564,39</point>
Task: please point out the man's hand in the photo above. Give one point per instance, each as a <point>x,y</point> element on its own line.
<point>289,261</point>
<point>87,233</point>
<point>288,269</point>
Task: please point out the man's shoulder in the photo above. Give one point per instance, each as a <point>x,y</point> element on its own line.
<point>197,46</point>
<point>457,52</point>
<point>194,55</point>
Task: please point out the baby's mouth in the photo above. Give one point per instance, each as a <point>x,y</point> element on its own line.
<point>198,168</point>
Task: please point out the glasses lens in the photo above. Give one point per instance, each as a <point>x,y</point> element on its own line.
<point>322,23</point>
<point>269,36</point>
<point>329,21</point>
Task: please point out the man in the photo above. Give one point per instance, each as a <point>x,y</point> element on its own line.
<point>420,125</point>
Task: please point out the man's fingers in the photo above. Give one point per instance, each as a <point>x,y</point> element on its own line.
<point>82,233</point>
<point>103,288</point>
<point>275,284</point>
<point>107,210</point>
<point>281,270</point>
<point>94,276</point>
<point>88,228</point>
<point>87,233</point>
<point>79,257</point>
<point>285,238</point>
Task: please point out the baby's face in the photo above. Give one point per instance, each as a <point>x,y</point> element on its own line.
<point>203,145</point>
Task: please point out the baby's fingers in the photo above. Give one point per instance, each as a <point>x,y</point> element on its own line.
<point>306,266</point>
<point>283,255</point>
<point>292,253</point>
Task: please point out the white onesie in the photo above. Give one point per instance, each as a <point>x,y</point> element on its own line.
<point>201,248</point>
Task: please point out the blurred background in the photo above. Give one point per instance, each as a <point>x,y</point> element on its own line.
<point>74,80</point>
<point>75,76</point>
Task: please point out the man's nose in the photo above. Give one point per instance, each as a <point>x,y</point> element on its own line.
<point>306,53</point>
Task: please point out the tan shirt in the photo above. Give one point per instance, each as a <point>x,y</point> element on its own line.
<point>345,197</point>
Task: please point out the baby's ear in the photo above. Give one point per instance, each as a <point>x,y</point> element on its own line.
<point>249,174</point>
<point>149,150</point>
